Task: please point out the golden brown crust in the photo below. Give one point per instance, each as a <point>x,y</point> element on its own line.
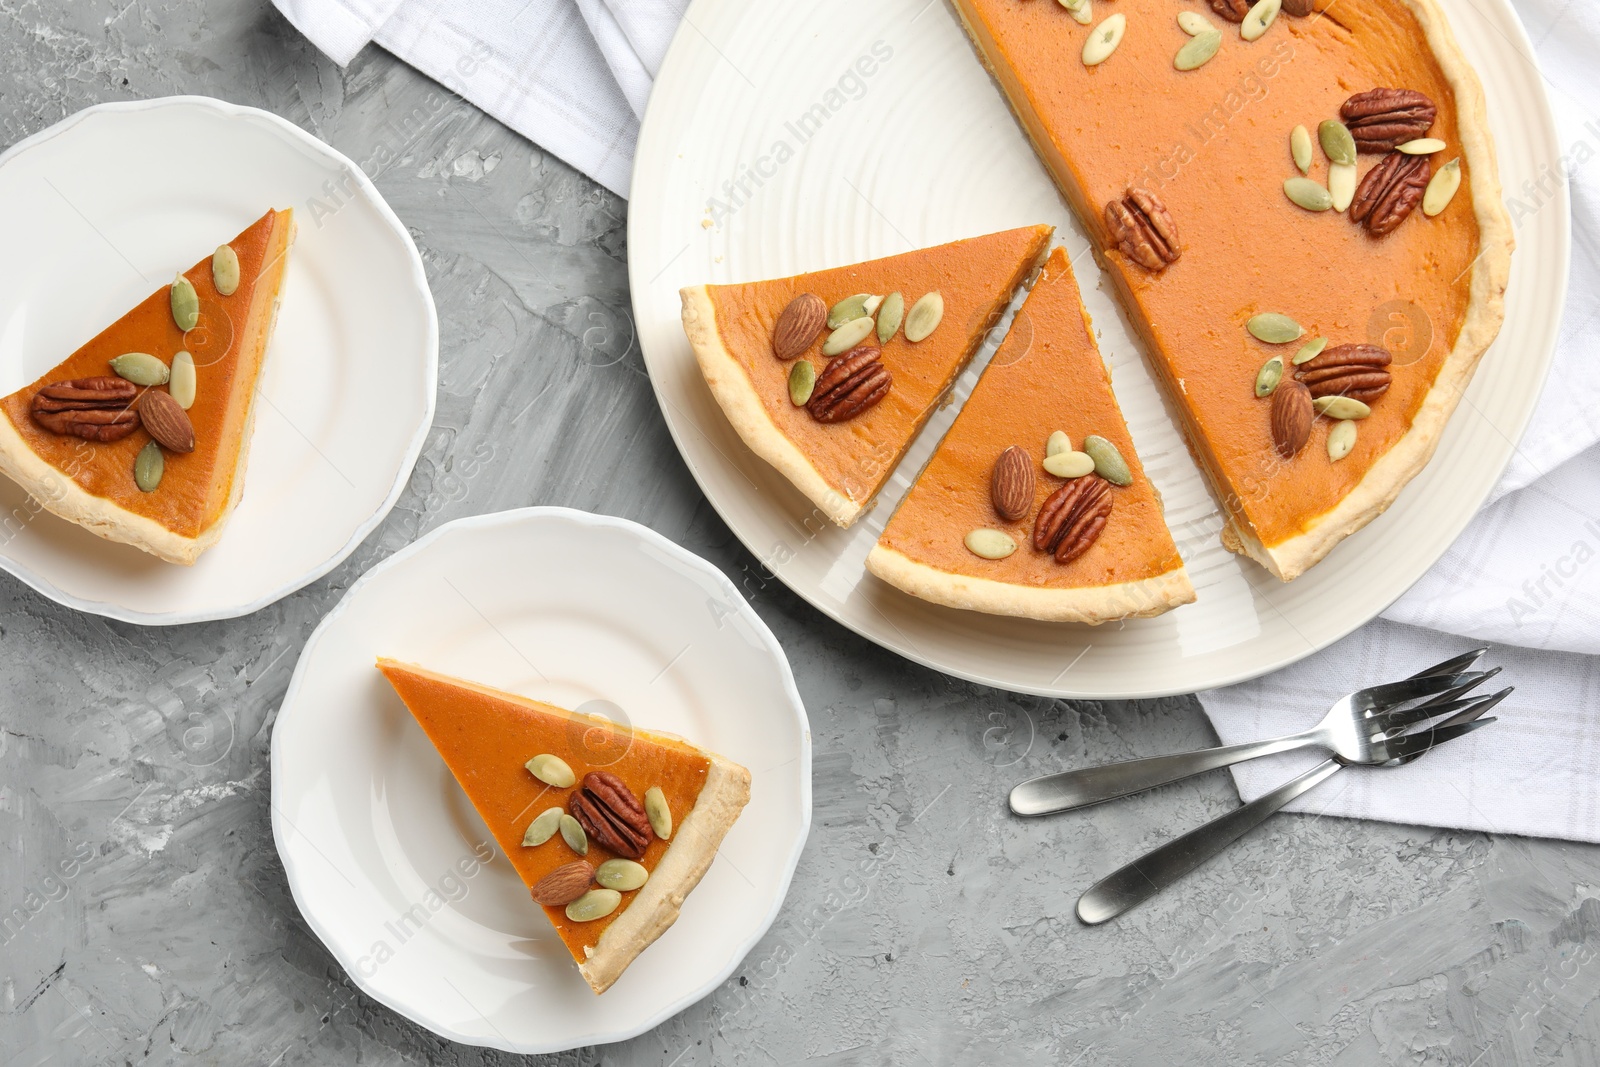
<point>1090,604</point>
<point>732,387</point>
<point>694,845</point>
<point>1485,312</point>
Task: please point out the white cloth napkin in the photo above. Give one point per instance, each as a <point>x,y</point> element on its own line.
<point>573,76</point>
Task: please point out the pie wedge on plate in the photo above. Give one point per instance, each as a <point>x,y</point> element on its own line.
<point>610,828</point>
<point>829,376</point>
<point>141,435</point>
<point>1035,503</point>
<point>1311,183</point>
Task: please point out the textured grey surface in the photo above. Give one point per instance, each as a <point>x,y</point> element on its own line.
<point>146,917</point>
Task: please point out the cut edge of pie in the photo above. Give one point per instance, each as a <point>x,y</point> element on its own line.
<point>731,384</point>
<point>1485,313</point>
<point>63,496</point>
<point>695,838</point>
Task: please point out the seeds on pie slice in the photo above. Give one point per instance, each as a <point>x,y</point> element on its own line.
<point>1103,39</point>
<point>1442,188</point>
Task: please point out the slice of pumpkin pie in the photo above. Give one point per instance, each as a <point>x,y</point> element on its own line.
<point>610,828</point>
<point>1035,503</point>
<point>828,376</point>
<point>141,435</point>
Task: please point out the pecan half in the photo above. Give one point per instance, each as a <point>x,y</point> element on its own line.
<point>611,815</point>
<point>1143,229</point>
<point>1071,518</point>
<point>1390,191</point>
<point>1299,8</point>
<point>96,409</point>
<point>1359,371</point>
<point>851,384</point>
<point>1379,119</point>
<point>1292,416</point>
<point>1232,10</point>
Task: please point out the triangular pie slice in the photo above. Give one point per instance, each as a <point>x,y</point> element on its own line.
<point>487,737</point>
<point>72,438</point>
<point>1198,168</point>
<point>836,455</point>
<point>1108,556</point>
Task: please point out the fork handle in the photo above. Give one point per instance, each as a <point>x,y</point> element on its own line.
<point>1092,785</point>
<point>1159,868</point>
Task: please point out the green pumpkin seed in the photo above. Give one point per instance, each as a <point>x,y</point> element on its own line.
<point>1082,11</point>
<point>1108,462</point>
<point>185,303</point>
<point>1069,464</point>
<point>1341,184</point>
<point>1442,188</point>
<point>1337,143</point>
<point>657,811</point>
<point>1057,442</point>
<point>1198,51</point>
<point>847,336</point>
<point>572,833</point>
<point>990,544</point>
<point>622,875</point>
<point>1341,439</point>
<point>141,368</point>
<point>1341,407</point>
<point>1104,38</point>
<point>184,382</point>
<point>551,770</point>
<point>543,828</point>
<point>148,467</point>
<point>1193,23</point>
<point>1261,16</point>
<point>802,380</point>
<point>1422,146</point>
<point>1273,328</point>
<point>1268,377</point>
<point>225,270</point>
<point>1307,193</point>
<point>924,316</point>
<point>1300,148</point>
<point>848,310</point>
<point>890,312</point>
<point>1310,350</point>
<point>595,904</point>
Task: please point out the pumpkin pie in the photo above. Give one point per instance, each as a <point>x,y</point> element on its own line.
<point>1264,181</point>
<point>828,376</point>
<point>141,435</point>
<point>1013,515</point>
<point>644,813</point>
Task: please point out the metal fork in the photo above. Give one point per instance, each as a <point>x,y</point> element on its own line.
<point>1148,875</point>
<point>1350,729</point>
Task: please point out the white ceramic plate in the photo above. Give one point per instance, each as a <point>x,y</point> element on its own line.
<point>737,178</point>
<point>102,209</point>
<point>580,610</point>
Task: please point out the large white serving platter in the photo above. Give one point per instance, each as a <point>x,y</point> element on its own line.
<point>729,186</point>
<point>387,859</point>
<point>100,210</point>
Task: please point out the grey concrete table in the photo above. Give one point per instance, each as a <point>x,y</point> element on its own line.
<point>144,917</point>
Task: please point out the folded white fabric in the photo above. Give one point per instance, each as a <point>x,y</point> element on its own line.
<point>536,65</point>
<point>574,75</point>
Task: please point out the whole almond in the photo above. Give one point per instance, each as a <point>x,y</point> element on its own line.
<point>799,325</point>
<point>167,422</point>
<point>564,884</point>
<point>1011,484</point>
<point>1292,415</point>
